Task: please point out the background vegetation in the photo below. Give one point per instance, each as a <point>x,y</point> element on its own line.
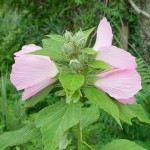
<point>28,21</point>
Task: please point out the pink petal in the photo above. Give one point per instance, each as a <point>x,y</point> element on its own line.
<point>127,101</point>
<point>29,70</point>
<point>104,34</point>
<point>117,57</point>
<point>27,49</point>
<point>33,90</point>
<point>120,84</point>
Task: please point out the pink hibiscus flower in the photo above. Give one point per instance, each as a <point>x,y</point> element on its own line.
<point>124,81</point>
<point>32,73</point>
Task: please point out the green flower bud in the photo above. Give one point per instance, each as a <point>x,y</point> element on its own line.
<point>79,39</point>
<point>75,64</point>
<point>68,36</point>
<point>67,48</point>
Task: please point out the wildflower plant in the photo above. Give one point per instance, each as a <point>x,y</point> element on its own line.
<point>103,76</point>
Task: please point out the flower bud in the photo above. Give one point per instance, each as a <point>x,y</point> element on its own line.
<point>68,36</point>
<point>79,39</point>
<point>67,48</point>
<point>75,64</point>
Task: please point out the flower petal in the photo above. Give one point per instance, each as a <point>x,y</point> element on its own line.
<point>27,49</point>
<point>117,57</point>
<point>104,34</point>
<point>120,84</point>
<point>33,90</point>
<point>127,101</point>
<point>29,70</point>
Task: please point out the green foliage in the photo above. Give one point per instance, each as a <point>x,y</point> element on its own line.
<point>122,145</point>
<point>52,48</point>
<point>25,134</point>
<point>127,112</point>
<point>89,116</point>
<point>31,102</point>
<point>100,65</point>
<point>54,120</point>
<point>71,83</point>
<point>144,70</point>
<point>102,101</point>
<point>27,22</point>
<point>89,51</point>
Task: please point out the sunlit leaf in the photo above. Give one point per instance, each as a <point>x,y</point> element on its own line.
<point>103,101</point>
<point>55,119</point>
<point>89,51</point>
<point>100,64</point>
<point>71,83</point>
<point>88,32</point>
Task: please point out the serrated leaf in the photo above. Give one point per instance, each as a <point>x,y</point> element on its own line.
<point>103,101</point>
<point>71,83</point>
<point>38,97</point>
<point>89,51</point>
<point>54,120</point>
<point>122,144</point>
<point>100,64</point>
<point>89,116</point>
<point>127,112</point>
<point>23,135</point>
<point>88,32</point>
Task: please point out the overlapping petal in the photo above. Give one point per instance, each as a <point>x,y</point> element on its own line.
<point>29,70</point>
<point>33,90</point>
<point>116,57</point>
<point>104,34</point>
<point>120,84</point>
<point>27,49</point>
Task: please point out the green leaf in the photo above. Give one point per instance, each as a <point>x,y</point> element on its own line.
<point>89,116</point>
<point>100,64</point>
<point>54,120</point>
<point>89,51</point>
<point>71,83</point>
<point>23,135</point>
<point>122,144</point>
<point>103,101</point>
<point>88,32</point>
<point>127,112</point>
<point>38,97</point>
<point>51,48</point>
<point>56,37</point>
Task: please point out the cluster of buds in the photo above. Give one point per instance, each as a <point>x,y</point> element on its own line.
<point>72,48</point>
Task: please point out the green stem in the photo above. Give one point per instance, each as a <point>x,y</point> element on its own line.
<point>79,136</point>
<point>87,145</point>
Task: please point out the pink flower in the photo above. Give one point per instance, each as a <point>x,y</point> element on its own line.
<point>32,73</point>
<point>123,82</point>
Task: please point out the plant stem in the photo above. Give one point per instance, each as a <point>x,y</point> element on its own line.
<point>87,145</point>
<point>79,136</point>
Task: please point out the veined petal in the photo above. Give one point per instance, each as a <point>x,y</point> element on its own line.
<point>33,90</point>
<point>127,101</point>
<point>104,34</point>
<point>120,84</point>
<point>29,70</point>
<point>27,49</point>
<point>117,57</point>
